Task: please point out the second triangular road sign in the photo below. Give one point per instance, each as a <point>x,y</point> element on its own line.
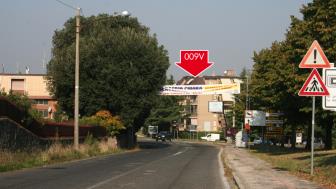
<point>314,86</point>
<point>315,58</point>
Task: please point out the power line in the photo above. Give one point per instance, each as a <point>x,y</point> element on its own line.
<point>67,5</point>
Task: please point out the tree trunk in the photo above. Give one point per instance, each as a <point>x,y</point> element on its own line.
<point>328,134</point>
<point>283,138</point>
<point>126,138</point>
<point>308,144</point>
<point>293,137</point>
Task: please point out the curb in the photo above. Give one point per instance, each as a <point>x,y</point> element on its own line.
<point>236,177</point>
<point>222,171</point>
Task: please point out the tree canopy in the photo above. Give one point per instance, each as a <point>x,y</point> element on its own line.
<point>276,77</point>
<point>122,67</point>
<point>165,111</point>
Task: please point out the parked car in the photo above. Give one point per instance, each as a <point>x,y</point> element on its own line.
<point>163,136</point>
<point>211,137</point>
<point>318,143</point>
<point>257,141</point>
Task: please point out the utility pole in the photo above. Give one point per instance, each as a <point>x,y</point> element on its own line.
<point>247,96</point>
<point>234,114</point>
<point>247,91</point>
<point>76,137</point>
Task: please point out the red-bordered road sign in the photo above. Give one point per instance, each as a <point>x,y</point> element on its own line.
<point>314,86</point>
<point>315,58</point>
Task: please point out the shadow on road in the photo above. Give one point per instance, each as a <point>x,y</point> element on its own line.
<point>153,144</point>
<point>275,150</point>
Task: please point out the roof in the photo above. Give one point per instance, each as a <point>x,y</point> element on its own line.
<point>13,74</point>
<point>221,77</point>
<point>189,80</point>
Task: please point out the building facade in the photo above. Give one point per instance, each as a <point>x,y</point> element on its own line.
<point>196,107</point>
<point>35,87</point>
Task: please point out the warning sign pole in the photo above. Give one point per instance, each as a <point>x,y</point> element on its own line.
<point>314,86</point>
<point>312,139</point>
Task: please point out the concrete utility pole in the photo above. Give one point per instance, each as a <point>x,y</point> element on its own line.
<point>234,114</point>
<point>76,137</point>
<point>247,92</point>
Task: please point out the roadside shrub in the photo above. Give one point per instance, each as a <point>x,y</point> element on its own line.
<point>24,103</point>
<point>60,115</point>
<point>104,118</point>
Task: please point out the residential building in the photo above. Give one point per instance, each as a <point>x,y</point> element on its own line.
<point>196,107</point>
<point>34,86</point>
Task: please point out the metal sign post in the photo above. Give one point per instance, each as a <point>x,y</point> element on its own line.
<point>312,139</point>
<point>314,86</point>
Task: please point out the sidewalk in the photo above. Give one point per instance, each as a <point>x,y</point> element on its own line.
<point>250,172</point>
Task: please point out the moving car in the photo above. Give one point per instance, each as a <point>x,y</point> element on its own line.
<point>163,136</point>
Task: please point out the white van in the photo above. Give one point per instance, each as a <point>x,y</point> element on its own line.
<point>211,137</point>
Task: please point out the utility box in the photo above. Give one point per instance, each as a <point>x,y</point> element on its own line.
<point>239,140</point>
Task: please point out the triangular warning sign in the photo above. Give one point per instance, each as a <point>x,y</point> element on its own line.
<point>314,86</point>
<point>315,58</point>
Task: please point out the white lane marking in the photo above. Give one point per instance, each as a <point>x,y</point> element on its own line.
<point>225,182</point>
<point>149,172</point>
<point>178,153</point>
<point>128,172</point>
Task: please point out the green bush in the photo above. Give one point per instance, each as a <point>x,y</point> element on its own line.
<point>24,103</point>
<point>104,118</point>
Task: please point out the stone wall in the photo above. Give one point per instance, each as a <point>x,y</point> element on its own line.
<point>15,137</point>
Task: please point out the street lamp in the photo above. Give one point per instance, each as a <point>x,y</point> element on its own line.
<point>76,111</point>
<point>125,13</point>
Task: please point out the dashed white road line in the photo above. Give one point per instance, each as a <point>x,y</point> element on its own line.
<point>178,153</point>
<point>130,171</point>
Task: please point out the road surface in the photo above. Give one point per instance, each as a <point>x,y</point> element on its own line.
<point>156,166</point>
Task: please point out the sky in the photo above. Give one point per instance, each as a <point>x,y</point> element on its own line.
<point>230,29</point>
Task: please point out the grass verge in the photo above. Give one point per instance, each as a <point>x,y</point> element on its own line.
<point>297,162</point>
<point>56,153</point>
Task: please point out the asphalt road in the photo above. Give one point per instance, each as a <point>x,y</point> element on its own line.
<point>156,166</point>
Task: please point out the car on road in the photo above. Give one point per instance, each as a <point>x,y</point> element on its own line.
<point>163,136</point>
<point>211,137</point>
<point>257,141</point>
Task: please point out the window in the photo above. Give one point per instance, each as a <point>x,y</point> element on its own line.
<point>44,113</point>
<point>40,101</point>
<point>17,85</point>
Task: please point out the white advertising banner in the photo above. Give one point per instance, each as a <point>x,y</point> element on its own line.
<point>255,117</point>
<point>183,90</point>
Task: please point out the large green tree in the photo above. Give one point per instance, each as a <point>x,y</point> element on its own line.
<point>122,67</point>
<point>165,111</point>
<point>277,77</point>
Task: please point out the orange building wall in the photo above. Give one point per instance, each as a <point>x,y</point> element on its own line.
<point>35,87</point>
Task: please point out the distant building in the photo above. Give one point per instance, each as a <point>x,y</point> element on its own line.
<point>196,111</point>
<point>35,87</point>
